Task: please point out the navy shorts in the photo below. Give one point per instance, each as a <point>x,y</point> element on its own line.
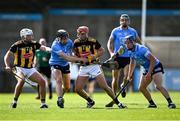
<point>63,69</point>
<point>122,61</point>
<point>46,71</point>
<point>158,68</point>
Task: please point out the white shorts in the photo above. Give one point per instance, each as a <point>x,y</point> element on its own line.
<point>27,72</point>
<point>90,70</point>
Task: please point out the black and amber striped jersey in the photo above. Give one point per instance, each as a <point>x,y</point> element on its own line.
<point>24,53</point>
<point>84,48</point>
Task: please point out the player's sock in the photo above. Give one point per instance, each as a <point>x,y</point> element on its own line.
<point>89,99</point>
<point>151,102</point>
<point>169,100</point>
<point>50,88</point>
<point>116,101</point>
<point>43,100</point>
<point>15,100</point>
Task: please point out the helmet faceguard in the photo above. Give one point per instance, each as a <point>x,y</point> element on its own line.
<point>24,32</point>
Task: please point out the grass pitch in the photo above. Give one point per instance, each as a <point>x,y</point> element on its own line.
<point>75,108</point>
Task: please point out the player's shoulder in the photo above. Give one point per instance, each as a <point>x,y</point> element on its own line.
<point>141,47</point>
<point>18,43</point>
<point>34,42</point>
<point>70,41</point>
<point>76,40</point>
<point>131,28</point>
<point>91,39</point>
<point>116,29</point>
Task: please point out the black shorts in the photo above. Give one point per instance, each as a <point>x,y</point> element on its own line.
<point>63,69</point>
<point>158,68</point>
<point>46,71</point>
<point>122,61</point>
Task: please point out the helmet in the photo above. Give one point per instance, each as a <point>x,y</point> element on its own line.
<point>130,38</point>
<point>62,33</point>
<point>83,29</point>
<point>24,32</point>
<point>125,16</point>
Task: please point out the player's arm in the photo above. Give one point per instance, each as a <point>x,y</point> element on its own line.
<point>35,61</point>
<point>151,59</point>
<point>45,48</point>
<point>110,46</point>
<point>132,66</point>
<point>72,58</point>
<point>99,52</point>
<point>7,57</point>
<point>138,40</point>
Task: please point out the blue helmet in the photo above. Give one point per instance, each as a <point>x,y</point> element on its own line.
<point>130,38</point>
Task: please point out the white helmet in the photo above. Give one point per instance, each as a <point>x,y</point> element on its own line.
<point>24,32</point>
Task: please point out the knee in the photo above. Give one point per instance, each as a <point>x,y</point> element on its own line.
<point>20,84</point>
<point>42,83</point>
<point>158,87</point>
<point>59,82</point>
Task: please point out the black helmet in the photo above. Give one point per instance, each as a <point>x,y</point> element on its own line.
<point>62,33</point>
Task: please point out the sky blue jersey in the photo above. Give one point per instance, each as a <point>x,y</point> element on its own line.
<point>140,54</point>
<point>58,47</point>
<point>118,34</point>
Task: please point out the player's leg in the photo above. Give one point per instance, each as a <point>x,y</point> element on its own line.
<point>143,88</point>
<point>103,84</point>
<point>17,91</point>
<point>57,75</point>
<point>115,80</point>
<point>38,91</point>
<point>66,82</point>
<point>79,88</point>
<point>158,82</point>
<point>125,70</point>
<point>50,88</point>
<point>37,77</point>
<point>47,73</point>
<point>90,86</point>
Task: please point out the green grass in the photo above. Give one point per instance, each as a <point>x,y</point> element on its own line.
<point>75,108</point>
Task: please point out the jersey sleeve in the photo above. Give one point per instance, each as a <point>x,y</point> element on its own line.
<point>13,48</point>
<point>112,34</point>
<point>145,51</point>
<point>56,50</point>
<point>98,45</point>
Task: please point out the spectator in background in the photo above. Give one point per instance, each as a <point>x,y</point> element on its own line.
<point>42,63</point>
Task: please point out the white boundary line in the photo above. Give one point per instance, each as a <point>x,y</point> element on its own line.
<point>91,120</point>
